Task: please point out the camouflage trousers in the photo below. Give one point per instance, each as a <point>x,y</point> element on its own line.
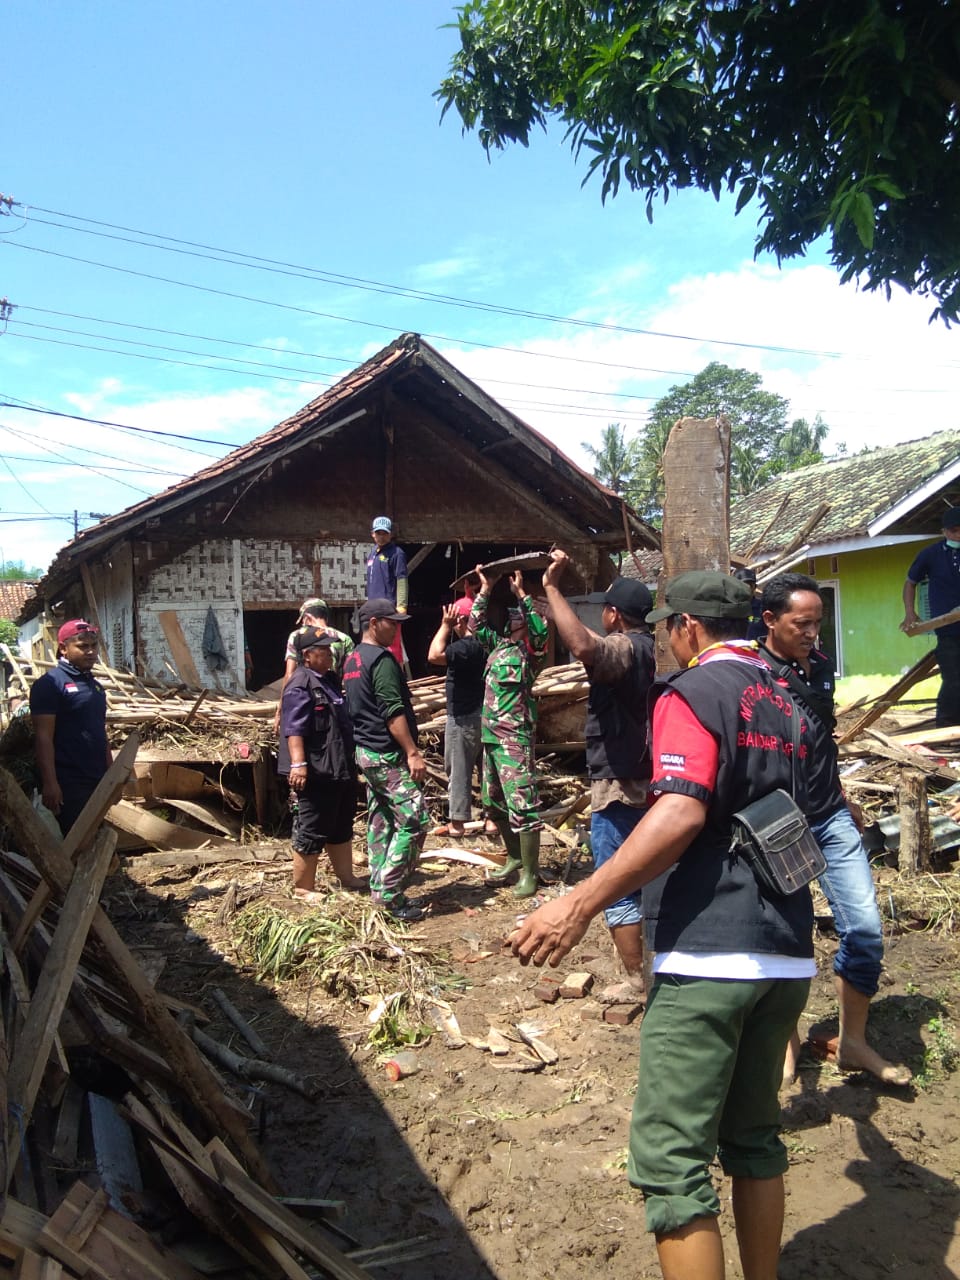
<point>397,822</point>
<point>510,784</point>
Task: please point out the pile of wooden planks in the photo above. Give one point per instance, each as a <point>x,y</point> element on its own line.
<point>561,694</point>
<point>83,1028</point>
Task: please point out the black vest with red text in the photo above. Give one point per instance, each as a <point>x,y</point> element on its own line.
<point>369,725</point>
<point>709,900</point>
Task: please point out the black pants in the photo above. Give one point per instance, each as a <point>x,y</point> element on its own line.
<point>948,699</point>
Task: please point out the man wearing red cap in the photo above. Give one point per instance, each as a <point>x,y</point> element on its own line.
<point>69,710</point>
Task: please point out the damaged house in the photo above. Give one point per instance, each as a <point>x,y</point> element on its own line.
<point>188,582</point>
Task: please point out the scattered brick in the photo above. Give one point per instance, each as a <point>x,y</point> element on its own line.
<point>547,992</point>
<point>576,985</point>
<point>621,1015</point>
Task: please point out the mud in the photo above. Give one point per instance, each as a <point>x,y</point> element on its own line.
<point>520,1176</point>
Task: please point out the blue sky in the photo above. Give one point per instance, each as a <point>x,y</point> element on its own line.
<point>307,134</point>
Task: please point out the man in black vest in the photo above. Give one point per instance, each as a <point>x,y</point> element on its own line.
<point>733,962</point>
<point>316,754</point>
<point>792,613</point>
<point>385,730</point>
<point>620,666</point>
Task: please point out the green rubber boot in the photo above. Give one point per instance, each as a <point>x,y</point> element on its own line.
<point>526,886</point>
<point>511,842</point>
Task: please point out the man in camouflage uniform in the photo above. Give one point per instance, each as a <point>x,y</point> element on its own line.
<point>507,729</point>
<point>385,731</point>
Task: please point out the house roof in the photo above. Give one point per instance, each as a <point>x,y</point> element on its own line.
<point>13,596</point>
<point>899,490</point>
<point>413,365</point>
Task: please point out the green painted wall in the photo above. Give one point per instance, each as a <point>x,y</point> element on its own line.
<point>871,608</point>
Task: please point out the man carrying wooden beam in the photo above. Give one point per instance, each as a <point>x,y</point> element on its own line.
<point>939,566</point>
<point>620,667</point>
<point>69,710</point>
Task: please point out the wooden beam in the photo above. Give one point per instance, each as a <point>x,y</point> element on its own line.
<point>195,1076</point>
<point>53,986</point>
<point>919,671</point>
<point>179,649</point>
<point>932,624</point>
<point>420,556</point>
<point>107,790</point>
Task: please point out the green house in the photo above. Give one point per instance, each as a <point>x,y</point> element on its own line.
<point>855,524</point>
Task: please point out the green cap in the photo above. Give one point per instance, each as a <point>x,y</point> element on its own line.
<point>707,594</point>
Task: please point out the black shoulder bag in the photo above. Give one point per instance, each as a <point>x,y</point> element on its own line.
<point>774,838</point>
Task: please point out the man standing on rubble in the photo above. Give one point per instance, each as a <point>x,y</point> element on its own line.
<point>313,613</point>
<point>620,667</point>
<point>733,961</point>
<point>939,566</point>
<point>507,729</point>
<point>69,710</point>
<point>317,755</point>
<point>385,731</point>
<point>793,613</point>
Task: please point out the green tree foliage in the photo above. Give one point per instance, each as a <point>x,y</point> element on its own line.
<point>8,632</point>
<point>614,459</point>
<point>762,442</point>
<point>14,571</point>
<point>837,117</point>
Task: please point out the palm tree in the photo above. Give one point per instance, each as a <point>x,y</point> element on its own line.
<point>615,459</point>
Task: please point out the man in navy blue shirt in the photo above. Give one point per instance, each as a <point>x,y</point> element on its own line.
<point>387,575</point>
<point>69,710</point>
<point>939,566</point>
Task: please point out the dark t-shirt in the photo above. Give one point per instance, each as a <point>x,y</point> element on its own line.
<point>466,659</point>
<point>79,703</point>
<point>939,566</point>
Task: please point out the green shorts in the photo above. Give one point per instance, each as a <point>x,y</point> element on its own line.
<point>711,1063</point>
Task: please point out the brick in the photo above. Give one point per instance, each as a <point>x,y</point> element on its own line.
<point>547,992</point>
<point>576,985</point>
<point>621,1015</point>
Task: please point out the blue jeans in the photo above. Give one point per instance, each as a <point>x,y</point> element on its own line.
<point>609,828</point>
<point>848,886</point>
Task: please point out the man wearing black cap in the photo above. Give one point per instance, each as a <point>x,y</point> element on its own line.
<point>385,730</point>
<point>316,754</point>
<point>733,960</point>
<point>939,566</point>
<point>69,711</point>
<point>620,667</point>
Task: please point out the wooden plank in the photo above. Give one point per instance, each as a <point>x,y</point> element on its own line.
<point>113,1248</point>
<point>153,830</point>
<point>919,671</point>
<point>932,624</point>
<point>88,820</point>
<point>208,816</point>
<point>179,649</point>
<point>171,781</point>
<point>278,1218</point>
<point>183,1057</point>
<point>53,985</point>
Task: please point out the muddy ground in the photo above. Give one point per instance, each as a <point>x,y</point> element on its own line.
<point>521,1176</point>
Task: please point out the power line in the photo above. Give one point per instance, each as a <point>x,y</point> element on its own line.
<point>27,407</point>
<point>234,257</point>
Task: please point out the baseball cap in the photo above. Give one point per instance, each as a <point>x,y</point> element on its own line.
<point>382,524</point>
<point>381,607</point>
<point>463,606</point>
<point>626,594</point>
<point>314,605</point>
<point>75,627</point>
<point>312,638</point>
<point>706,593</point>
<point>950,518</point>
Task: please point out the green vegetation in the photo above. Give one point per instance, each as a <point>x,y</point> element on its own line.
<point>836,119</point>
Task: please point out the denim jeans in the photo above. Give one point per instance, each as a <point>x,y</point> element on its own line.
<point>609,828</point>
<point>848,886</point>
<point>461,750</point>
